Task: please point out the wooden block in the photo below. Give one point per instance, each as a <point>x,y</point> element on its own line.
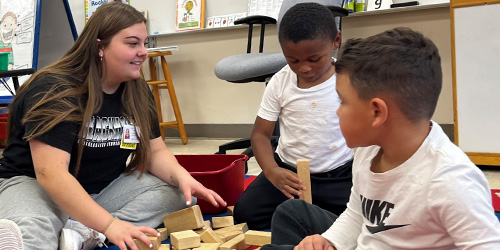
<point>185,239</point>
<point>201,230</point>
<point>208,224</point>
<point>164,247</point>
<point>227,233</point>
<point>230,210</point>
<point>209,236</point>
<point>242,226</point>
<point>237,242</point>
<point>208,246</point>
<point>223,221</point>
<point>163,234</point>
<point>141,245</point>
<point>185,219</point>
<point>257,238</point>
<point>305,175</point>
<point>154,240</point>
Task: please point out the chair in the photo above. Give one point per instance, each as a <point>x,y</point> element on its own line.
<point>260,67</point>
<point>165,84</point>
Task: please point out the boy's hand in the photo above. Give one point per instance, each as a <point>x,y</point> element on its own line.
<point>314,242</point>
<point>286,181</point>
<point>123,233</point>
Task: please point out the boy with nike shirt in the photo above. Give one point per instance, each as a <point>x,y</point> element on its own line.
<point>412,187</point>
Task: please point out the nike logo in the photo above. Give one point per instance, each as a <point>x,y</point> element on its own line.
<point>382,227</point>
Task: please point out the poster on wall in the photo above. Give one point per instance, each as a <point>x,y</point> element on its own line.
<point>17,38</point>
<point>92,5</point>
<point>190,15</point>
<point>264,7</point>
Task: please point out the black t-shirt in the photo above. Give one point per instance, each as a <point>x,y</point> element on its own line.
<point>102,161</point>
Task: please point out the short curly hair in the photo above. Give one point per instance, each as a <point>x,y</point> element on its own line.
<point>307,21</point>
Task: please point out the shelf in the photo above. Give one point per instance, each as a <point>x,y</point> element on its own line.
<point>199,31</point>
<point>399,9</point>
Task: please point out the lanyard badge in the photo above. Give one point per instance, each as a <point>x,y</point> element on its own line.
<point>130,137</point>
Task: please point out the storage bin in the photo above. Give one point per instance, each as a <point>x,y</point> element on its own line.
<point>225,174</point>
<point>3,128</point>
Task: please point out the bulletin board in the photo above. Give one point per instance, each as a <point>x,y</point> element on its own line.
<point>476,78</point>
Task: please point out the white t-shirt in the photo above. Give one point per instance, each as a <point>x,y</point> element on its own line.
<point>437,199</point>
<point>309,125</point>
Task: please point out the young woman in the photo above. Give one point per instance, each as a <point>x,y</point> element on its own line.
<point>67,155</point>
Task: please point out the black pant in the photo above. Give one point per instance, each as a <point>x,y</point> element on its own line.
<point>330,191</point>
<point>294,220</point>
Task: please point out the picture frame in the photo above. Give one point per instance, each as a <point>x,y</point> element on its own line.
<point>91,7</point>
<point>190,15</point>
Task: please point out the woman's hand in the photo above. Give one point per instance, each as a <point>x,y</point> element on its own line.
<point>191,187</point>
<point>123,233</point>
<point>314,242</point>
<point>285,180</point>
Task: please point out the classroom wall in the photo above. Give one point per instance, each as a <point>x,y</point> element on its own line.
<point>434,23</point>
<point>208,102</point>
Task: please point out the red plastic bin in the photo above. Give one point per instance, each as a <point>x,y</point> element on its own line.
<point>3,129</point>
<point>225,174</point>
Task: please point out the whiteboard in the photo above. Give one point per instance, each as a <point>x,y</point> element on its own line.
<point>477,51</point>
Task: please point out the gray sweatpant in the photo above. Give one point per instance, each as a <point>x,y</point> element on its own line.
<point>140,201</point>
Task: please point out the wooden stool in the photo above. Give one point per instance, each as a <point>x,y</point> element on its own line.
<point>165,84</point>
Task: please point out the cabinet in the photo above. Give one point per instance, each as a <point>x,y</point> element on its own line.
<point>476,78</point>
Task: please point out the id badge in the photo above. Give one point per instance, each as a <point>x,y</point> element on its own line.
<point>129,134</point>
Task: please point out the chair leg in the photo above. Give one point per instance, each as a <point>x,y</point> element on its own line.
<point>156,94</point>
<point>173,99</point>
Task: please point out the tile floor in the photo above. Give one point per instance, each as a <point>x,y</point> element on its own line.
<point>210,146</point>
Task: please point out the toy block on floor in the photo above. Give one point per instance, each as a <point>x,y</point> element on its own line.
<point>230,210</point>
<point>185,219</point>
<point>227,233</point>
<point>205,227</point>
<point>209,236</point>
<point>242,226</point>
<point>164,247</point>
<point>163,234</point>
<point>257,238</point>
<point>223,221</point>
<point>154,240</point>
<point>185,239</point>
<point>237,242</point>
<point>208,246</point>
<point>208,224</point>
<point>305,175</point>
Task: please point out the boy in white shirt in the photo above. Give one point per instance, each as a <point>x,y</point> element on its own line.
<point>302,97</point>
<point>412,187</point>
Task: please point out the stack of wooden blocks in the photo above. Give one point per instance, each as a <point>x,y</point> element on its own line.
<point>187,230</point>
